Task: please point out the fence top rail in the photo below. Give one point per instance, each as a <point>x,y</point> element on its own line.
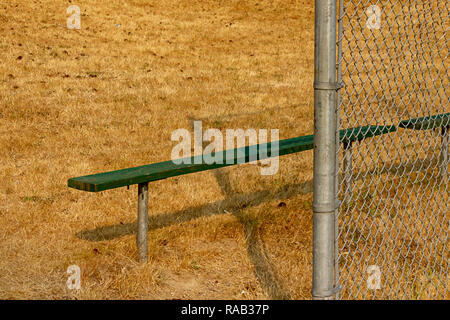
<point>426,123</point>
<point>162,170</point>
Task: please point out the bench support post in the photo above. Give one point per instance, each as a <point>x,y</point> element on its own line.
<point>444,151</point>
<point>348,155</point>
<point>142,222</point>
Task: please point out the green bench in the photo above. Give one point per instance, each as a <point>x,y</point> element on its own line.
<point>433,122</point>
<point>144,174</point>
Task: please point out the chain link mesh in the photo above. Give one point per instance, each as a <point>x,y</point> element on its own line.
<point>393,218</point>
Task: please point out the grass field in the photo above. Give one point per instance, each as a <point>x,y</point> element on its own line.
<point>108,96</point>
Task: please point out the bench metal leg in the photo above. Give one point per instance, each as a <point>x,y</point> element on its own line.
<point>444,151</point>
<point>142,223</point>
<point>347,166</point>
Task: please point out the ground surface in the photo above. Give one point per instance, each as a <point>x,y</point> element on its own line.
<point>108,96</point>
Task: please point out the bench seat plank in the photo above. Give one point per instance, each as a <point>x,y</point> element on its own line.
<point>166,169</point>
<point>426,123</point>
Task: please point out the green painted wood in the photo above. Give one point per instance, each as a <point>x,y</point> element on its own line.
<point>426,123</point>
<point>167,169</point>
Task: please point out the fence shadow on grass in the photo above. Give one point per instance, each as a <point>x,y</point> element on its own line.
<point>265,271</point>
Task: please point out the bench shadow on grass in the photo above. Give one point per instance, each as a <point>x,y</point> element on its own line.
<point>233,204</point>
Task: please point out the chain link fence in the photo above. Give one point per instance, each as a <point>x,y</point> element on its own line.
<point>393,217</point>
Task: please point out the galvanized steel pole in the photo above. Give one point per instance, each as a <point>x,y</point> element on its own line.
<point>142,222</point>
<point>324,203</point>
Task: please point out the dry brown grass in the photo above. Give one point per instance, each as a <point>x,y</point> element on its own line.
<point>75,102</point>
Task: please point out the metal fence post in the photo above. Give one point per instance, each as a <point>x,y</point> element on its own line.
<point>142,222</point>
<point>324,204</point>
